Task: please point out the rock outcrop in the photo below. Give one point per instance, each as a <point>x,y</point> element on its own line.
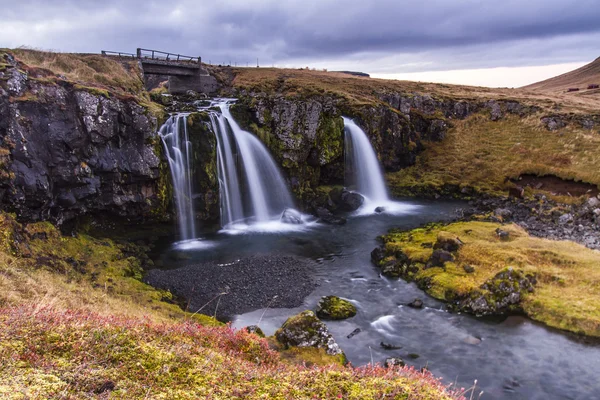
<point>68,150</point>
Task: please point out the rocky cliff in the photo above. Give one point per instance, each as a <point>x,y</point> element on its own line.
<point>69,150</point>
<point>306,133</point>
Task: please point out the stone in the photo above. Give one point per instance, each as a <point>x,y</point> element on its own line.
<point>327,217</point>
<point>503,213</point>
<point>389,346</point>
<point>468,269</point>
<point>447,242</point>
<point>354,333</point>
<point>439,258</point>
<point>593,202</point>
<point>502,234</point>
<point>350,201</point>
<point>335,308</point>
<point>553,123</point>
<point>306,330</point>
<point>416,303</point>
<point>291,216</point>
<point>256,330</point>
<point>565,219</point>
<point>377,254</point>
<point>394,362</point>
<point>379,209</point>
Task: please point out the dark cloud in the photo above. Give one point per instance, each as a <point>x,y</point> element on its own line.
<point>378,36</point>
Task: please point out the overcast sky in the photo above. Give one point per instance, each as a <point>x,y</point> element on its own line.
<point>387,38</point>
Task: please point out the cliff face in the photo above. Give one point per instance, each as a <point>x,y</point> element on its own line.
<point>68,151</point>
<point>306,134</point>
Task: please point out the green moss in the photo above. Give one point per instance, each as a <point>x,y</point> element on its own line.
<point>334,308</point>
<point>93,90</point>
<point>567,280</point>
<point>330,138</point>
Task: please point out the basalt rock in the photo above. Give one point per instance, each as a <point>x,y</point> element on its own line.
<point>69,151</point>
<point>306,330</point>
<point>501,294</point>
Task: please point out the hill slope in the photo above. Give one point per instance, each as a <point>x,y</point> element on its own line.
<point>579,78</point>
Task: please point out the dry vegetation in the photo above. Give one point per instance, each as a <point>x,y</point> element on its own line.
<point>76,322</point>
<point>360,90</point>
<point>568,274</point>
<point>482,154</point>
<point>73,355</point>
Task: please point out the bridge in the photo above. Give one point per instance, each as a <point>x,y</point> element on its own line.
<point>184,72</point>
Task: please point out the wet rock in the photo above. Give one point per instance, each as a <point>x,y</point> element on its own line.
<point>439,258</point>
<point>306,330</point>
<point>416,303</point>
<point>354,333</point>
<point>326,216</point>
<point>291,216</point>
<point>335,308</point>
<point>256,330</point>
<point>389,346</point>
<point>468,269</point>
<point>413,356</point>
<point>350,201</point>
<point>394,362</point>
<point>377,254</point>
<point>379,209</point>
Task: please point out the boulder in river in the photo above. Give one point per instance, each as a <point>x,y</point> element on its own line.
<point>334,308</point>
<point>416,303</point>
<point>351,201</point>
<point>291,216</point>
<point>379,209</point>
<point>306,330</point>
<point>326,216</point>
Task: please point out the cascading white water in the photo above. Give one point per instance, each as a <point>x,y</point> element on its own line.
<point>178,150</point>
<point>362,161</point>
<point>265,195</point>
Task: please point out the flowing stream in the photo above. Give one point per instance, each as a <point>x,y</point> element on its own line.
<point>512,358</point>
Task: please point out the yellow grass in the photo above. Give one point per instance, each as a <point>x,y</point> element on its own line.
<point>568,274</point>
<point>482,154</point>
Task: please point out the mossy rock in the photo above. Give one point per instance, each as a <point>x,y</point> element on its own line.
<point>334,308</point>
<point>306,330</point>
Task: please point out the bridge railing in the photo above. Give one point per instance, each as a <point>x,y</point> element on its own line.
<point>164,56</point>
<point>117,53</point>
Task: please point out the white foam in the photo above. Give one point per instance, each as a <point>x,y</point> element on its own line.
<point>194,244</point>
<point>390,208</point>
<point>272,226</point>
<point>383,324</point>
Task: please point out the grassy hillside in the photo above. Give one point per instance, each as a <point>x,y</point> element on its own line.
<point>482,154</point>
<point>108,76</point>
<point>360,90</point>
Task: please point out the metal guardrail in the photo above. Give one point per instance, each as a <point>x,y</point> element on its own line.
<point>154,55</point>
<point>117,53</point>
<point>164,56</point>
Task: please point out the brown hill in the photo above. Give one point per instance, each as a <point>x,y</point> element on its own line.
<point>581,78</point>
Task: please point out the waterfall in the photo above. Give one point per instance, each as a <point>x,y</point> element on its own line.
<point>362,162</point>
<point>263,195</point>
<point>178,150</point>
